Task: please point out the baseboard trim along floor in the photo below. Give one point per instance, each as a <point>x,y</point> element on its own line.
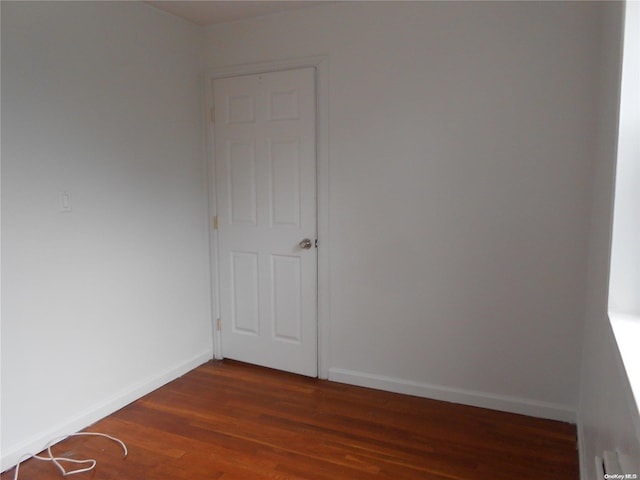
<point>101,410</point>
<point>473,398</point>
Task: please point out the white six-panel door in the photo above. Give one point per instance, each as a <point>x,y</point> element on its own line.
<point>265,170</point>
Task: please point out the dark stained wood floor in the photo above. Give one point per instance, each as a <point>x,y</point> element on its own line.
<point>229,420</point>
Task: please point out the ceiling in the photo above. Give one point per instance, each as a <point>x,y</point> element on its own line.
<point>209,12</point>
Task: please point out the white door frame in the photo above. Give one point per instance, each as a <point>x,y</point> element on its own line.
<point>321,65</point>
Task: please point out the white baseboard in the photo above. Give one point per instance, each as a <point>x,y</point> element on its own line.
<point>100,410</point>
<point>474,398</point>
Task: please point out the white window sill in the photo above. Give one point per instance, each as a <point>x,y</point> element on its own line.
<point>626,329</point>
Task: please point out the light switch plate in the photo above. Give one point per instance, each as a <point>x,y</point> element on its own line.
<point>65,202</point>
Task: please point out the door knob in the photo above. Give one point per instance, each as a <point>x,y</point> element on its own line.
<point>305,244</point>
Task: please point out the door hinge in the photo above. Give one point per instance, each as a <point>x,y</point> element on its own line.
<point>215,222</point>
<point>219,324</point>
<point>213,115</point>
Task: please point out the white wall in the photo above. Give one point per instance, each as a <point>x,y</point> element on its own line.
<point>460,157</point>
<point>102,100</point>
<point>606,411</point>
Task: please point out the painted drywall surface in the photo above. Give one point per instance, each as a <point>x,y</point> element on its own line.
<point>101,100</point>
<point>606,415</point>
<point>460,158</point>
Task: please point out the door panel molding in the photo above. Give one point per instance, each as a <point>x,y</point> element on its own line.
<point>321,65</point>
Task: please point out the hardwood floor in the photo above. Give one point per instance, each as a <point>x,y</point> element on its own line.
<point>229,420</point>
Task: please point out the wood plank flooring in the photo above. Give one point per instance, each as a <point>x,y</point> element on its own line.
<point>229,420</point>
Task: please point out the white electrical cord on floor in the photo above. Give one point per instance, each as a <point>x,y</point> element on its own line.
<point>90,462</point>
